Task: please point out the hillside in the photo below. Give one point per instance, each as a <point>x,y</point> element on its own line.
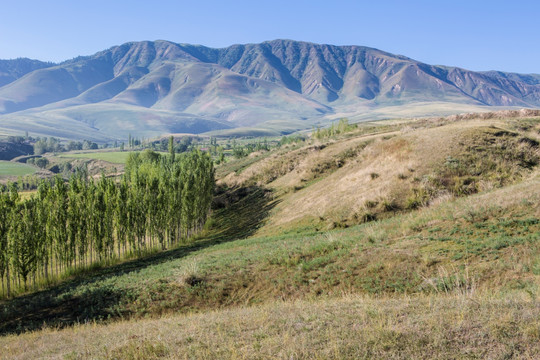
<point>281,86</point>
<point>11,70</point>
<point>394,239</point>
<point>10,150</point>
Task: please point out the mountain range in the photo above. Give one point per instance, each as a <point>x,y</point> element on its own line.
<point>276,87</point>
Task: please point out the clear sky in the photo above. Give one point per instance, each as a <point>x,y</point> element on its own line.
<point>474,34</point>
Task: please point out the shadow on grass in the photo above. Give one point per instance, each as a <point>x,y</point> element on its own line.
<point>238,215</point>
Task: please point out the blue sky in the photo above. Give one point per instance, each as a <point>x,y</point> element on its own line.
<point>474,34</point>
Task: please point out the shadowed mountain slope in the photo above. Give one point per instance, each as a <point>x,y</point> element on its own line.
<point>11,70</point>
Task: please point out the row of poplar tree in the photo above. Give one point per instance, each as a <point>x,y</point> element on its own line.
<point>159,201</point>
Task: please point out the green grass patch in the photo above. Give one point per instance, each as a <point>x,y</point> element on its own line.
<point>114,157</point>
<point>8,168</point>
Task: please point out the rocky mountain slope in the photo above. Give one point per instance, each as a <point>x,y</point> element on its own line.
<point>151,88</point>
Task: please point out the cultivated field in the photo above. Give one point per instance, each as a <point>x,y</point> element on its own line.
<point>114,157</point>
<point>14,169</point>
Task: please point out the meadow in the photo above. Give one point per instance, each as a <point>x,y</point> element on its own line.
<point>14,169</point>
<point>114,157</point>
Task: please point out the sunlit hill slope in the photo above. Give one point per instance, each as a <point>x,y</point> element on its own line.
<point>392,239</point>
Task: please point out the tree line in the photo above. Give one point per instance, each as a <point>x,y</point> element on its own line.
<point>68,225</point>
<point>44,145</point>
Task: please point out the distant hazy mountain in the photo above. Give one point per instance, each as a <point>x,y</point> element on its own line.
<point>151,88</point>
<point>11,70</point>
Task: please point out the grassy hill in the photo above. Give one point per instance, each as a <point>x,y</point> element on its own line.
<point>398,239</point>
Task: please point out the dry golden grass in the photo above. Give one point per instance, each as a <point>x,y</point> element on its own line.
<point>337,182</point>
<point>353,327</point>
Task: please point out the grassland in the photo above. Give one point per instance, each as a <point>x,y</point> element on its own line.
<point>402,287</point>
<point>114,157</point>
<point>285,270</point>
<point>13,169</point>
<point>351,327</point>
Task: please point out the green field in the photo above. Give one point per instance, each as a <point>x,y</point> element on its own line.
<point>115,157</point>
<point>8,168</point>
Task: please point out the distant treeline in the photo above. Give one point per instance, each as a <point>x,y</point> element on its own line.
<point>159,201</point>
<point>44,145</point>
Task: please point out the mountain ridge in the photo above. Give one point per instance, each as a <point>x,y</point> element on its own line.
<point>271,85</point>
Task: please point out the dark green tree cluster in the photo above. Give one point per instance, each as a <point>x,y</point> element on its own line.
<point>44,145</point>
<point>39,162</point>
<point>157,203</point>
<point>17,139</point>
<point>184,144</point>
